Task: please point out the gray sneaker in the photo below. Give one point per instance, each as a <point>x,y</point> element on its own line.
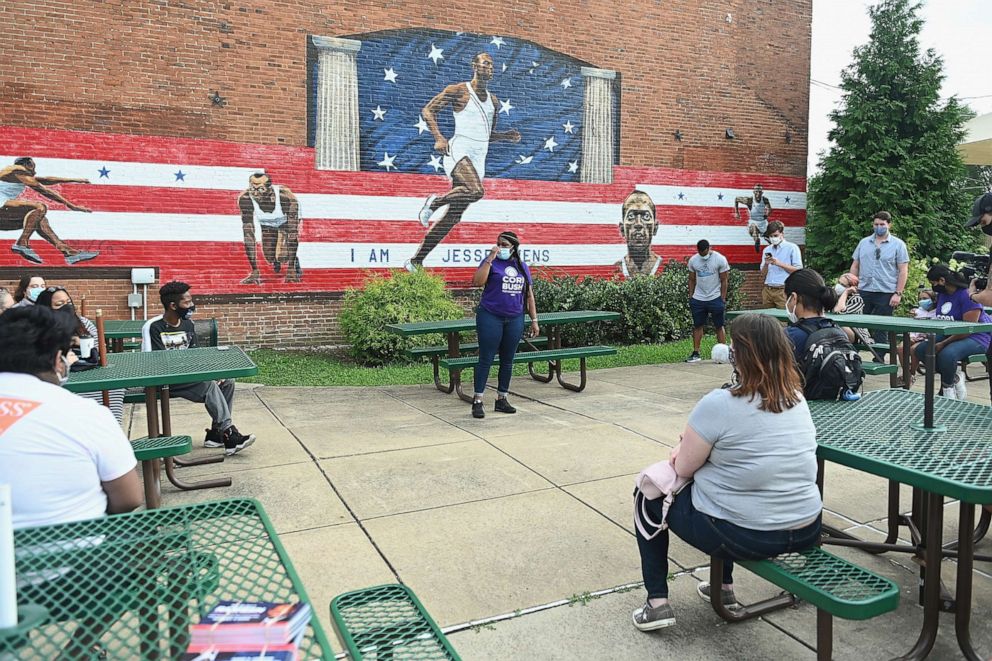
<point>694,358</point>
<point>648,619</point>
<point>726,596</point>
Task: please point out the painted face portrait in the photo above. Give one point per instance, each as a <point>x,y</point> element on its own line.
<point>639,224</point>
<point>260,188</point>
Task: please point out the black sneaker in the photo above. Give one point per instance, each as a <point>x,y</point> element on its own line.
<point>503,406</point>
<point>726,596</point>
<point>235,441</point>
<point>694,357</point>
<point>213,439</point>
<point>477,410</point>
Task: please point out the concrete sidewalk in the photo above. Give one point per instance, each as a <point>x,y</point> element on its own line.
<point>515,531</point>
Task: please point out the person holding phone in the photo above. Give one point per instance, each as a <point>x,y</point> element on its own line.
<point>499,319</point>
<point>780,259</point>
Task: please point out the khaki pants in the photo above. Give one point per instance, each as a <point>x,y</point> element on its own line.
<point>773,297</point>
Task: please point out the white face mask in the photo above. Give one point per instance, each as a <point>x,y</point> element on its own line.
<point>64,377</point>
<point>793,317</point>
<point>774,240</point>
<point>839,288</point>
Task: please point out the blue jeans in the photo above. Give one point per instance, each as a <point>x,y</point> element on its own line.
<point>715,537</point>
<point>949,357</point>
<point>878,303</point>
<point>501,335</point>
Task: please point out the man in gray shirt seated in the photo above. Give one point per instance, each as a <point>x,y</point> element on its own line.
<point>708,280</point>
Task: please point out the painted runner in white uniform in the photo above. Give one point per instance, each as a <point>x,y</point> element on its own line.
<point>759,215</point>
<point>274,218</point>
<point>473,128</point>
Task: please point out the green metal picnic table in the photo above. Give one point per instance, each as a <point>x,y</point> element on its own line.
<point>893,326</point>
<point>152,370</point>
<point>128,586</point>
<point>118,330</point>
<point>453,328</point>
<point>875,435</point>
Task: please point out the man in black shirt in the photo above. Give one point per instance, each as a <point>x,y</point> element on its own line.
<point>175,331</point>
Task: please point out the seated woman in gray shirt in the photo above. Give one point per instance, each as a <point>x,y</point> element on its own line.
<point>751,451</point>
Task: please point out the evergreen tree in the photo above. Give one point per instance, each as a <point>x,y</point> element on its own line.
<point>894,149</point>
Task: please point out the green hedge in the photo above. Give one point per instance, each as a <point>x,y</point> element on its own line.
<point>399,297</point>
<point>652,308</point>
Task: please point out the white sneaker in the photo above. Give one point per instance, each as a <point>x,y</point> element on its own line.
<point>426,212</point>
<point>960,390</point>
<point>948,392</point>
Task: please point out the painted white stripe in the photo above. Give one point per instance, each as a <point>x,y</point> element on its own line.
<point>711,197</point>
<point>161,175</point>
<point>122,226</point>
<point>366,207</point>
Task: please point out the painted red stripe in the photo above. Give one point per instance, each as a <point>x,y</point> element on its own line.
<point>137,199</point>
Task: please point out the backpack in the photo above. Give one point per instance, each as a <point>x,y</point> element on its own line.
<point>830,365</point>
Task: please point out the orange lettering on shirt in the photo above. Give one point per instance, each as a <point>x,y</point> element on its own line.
<point>12,410</point>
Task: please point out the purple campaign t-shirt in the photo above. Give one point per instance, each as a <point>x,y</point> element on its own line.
<point>952,307</point>
<point>504,292</point>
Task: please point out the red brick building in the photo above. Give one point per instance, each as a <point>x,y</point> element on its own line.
<point>167,108</point>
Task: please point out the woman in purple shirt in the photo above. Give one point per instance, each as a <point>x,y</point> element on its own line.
<point>953,303</point>
<point>499,320</point>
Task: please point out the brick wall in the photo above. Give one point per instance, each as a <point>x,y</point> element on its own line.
<point>149,67</point>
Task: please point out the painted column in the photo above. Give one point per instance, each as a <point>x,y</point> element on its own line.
<point>597,126</point>
<point>337,103</point>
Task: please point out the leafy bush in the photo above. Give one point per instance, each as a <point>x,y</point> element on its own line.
<point>652,308</point>
<point>399,297</point>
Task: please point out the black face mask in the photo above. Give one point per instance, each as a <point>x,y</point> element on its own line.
<point>70,307</point>
<point>987,229</point>
<point>185,313</point>
<point>940,289</point>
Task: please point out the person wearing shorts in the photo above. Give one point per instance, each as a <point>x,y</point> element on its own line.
<point>709,277</point>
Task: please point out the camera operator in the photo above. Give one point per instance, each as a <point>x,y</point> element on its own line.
<point>981,214</point>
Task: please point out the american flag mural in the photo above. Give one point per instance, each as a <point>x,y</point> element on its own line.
<point>172,203</point>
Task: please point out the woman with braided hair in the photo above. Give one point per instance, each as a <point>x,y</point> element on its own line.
<point>499,319</point>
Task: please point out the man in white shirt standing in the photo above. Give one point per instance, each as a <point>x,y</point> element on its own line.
<point>709,277</point>
<point>779,260</point>
<point>65,457</point>
<point>881,262</point>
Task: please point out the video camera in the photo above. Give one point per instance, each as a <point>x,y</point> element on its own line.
<point>975,266</point>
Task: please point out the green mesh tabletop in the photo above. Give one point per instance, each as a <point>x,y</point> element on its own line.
<point>388,622</point>
<point>161,368</point>
<point>129,586</point>
<point>119,329</point>
<point>887,324</point>
<point>874,434</point>
<point>468,323</point>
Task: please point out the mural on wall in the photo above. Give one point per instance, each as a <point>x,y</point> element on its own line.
<point>759,209</point>
<point>506,120</point>
<point>638,225</point>
<point>277,213</point>
<point>30,215</point>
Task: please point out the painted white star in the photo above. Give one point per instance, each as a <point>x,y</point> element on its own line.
<point>504,67</point>
<point>378,113</point>
<point>566,83</point>
<point>435,162</point>
<point>497,41</point>
<point>524,160</point>
<point>533,65</point>
<point>390,75</point>
<point>387,162</point>
<point>436,54</point>
<point>504,106</point>
<point>573,166</point>
<point>568,126</point>
<point>421,125</point>
<point>550,144</point>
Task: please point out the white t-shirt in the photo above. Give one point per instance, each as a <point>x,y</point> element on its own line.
<point>708,272</point>
<point>55,450</point>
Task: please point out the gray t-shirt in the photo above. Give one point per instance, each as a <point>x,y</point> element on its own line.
<point>708,275</point>
<point>761,473</point>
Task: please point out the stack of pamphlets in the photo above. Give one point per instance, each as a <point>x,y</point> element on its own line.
<point>249,631</point>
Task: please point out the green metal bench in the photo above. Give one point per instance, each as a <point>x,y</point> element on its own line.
<point>832,584</point>
<point>436,352</point>
<point>386,622</point>
<point>160,447</point>
<point>879,368</point>
<point>552,356</point>
<point>970,360</point>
